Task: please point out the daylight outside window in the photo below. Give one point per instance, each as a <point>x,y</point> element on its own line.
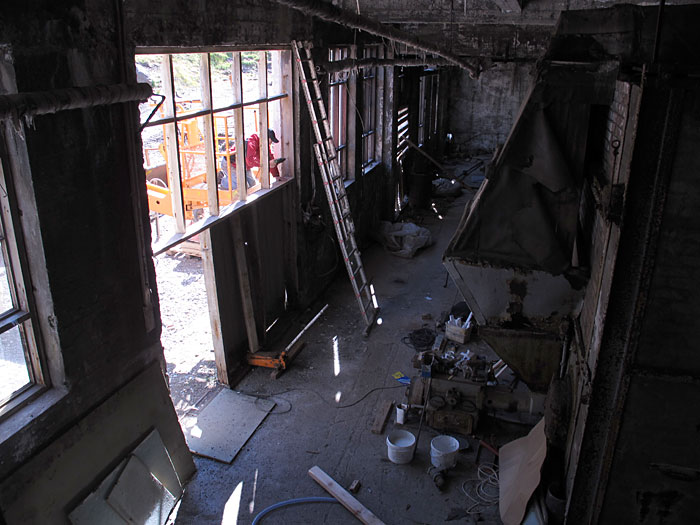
<point>211,122</point>
<point>19,360</point>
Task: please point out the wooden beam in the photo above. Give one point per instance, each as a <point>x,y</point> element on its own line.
<point>350,120</point>
<point>209,136</point>
<point>431,159</point>
<point>238,126</point>
<point>344,497</point>
<point>262,121</point>
<point>244,285</point>
<point>213,304</point>
<point>286,139</point>
<point>381,413</point>
<point>172,145</point>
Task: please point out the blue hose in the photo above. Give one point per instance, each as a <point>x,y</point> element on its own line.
<point>313,499</point>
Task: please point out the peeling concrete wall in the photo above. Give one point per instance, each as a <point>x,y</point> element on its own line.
<point>484,110</point>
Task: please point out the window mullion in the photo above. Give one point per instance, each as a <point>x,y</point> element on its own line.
<point>262,121</point>
<point>208,132</point>
<point>172,146</point>
<point>238,126</point>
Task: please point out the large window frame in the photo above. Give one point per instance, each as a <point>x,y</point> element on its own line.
<point>372,107</point>
<point>31,309</point>
<point>174,120</point>
<point>339,98</point>
<point>428,106</point>
<point>21,315</point>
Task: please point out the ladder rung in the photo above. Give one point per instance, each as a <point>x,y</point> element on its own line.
<point>327,154</point>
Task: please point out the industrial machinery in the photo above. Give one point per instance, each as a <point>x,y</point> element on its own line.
<point>457,387</point>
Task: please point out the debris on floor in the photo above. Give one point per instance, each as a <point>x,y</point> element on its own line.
<point>447,188</point>
<point>403,239</point>
<point>343,496</point>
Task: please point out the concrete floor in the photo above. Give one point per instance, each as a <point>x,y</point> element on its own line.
<point>309,427</point>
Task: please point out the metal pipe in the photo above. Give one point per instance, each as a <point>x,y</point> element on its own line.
<point>354,64</point>
<point>308,325</point>
<point>44,102</point>
<point>331,13</point>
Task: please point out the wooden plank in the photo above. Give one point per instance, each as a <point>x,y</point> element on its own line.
<point>244,283</point>
<point>172,146</point>
<point>381,413</point>
<point>286,139</point>
<point>213,304</point>
<point>351,123</point>
<point>262,121</point>
<point>238,126</point>
<point>431,159</point>
<point>209,136</point>
<point>344,497</point>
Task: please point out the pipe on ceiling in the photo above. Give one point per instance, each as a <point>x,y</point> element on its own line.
<point>21,105</point>
<point>354,64</point>
<point>331,13</point>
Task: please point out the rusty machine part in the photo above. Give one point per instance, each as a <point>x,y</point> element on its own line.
<point>463,387</point>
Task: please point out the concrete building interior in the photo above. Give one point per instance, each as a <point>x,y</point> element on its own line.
<point>452,282</point>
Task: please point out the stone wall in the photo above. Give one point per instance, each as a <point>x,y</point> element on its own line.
<point>483,110</point>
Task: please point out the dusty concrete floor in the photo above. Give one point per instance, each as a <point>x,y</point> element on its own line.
<point>309,427</point>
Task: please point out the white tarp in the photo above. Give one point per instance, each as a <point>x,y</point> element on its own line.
<point>403,239</point>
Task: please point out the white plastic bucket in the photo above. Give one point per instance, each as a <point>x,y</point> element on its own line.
<point>443,452</point>
<point>400,446</point>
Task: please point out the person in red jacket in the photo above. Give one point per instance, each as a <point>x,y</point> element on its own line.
<point>252,154</point>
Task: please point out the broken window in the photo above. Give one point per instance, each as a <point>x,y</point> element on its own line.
<point>338,107</point>
<point>20,366</point>
<point>219,130</point>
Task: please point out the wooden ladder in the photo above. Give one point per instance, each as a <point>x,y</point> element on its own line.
<point>327,158</point>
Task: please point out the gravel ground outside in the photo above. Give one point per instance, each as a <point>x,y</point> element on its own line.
<point>186,335</point>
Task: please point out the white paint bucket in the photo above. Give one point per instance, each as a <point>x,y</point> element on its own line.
<point>443,452</point>
<point>400,415</point>
<point>400,446</point>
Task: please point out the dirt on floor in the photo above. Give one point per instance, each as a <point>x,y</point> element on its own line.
<point>186,336</point>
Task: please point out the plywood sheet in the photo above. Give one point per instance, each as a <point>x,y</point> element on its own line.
<point>139,497</point>
<point>520,462</point>
<point>221,429</point>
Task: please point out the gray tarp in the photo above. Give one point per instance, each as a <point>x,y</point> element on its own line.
<point>525,213</point>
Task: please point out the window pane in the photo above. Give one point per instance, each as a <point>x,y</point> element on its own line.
<point>186,78</point>
<point>148,70</point>
<point>193,168</point>
<point>221,79</point>
<point>13,367</point>
<point>250,64</point>
<point>5,293</point>
<point>274,74</point>
<point>279,151</point>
